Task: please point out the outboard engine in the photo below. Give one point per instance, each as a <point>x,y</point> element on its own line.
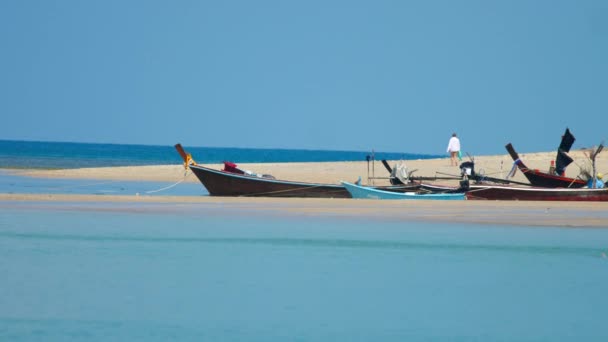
<point>399,174</point>
<point>468,169</point>
<point>464,184</point>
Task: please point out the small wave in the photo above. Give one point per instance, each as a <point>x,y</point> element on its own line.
<point>316,243</point>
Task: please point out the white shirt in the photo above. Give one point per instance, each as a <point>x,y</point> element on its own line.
<point>454,145</point>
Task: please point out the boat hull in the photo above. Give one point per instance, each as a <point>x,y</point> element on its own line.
<point>545,180</point>
<point>538,194</point>
<point>542,179</point>
<point>221,183</point>
<point>362,192</point>
<point>445,189</point>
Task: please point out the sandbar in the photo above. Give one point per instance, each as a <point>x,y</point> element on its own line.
<point>556,214</point>
<point>372,173</point>
<point>512,213</point>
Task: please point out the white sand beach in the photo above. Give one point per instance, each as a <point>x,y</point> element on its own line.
<point>333,172</point>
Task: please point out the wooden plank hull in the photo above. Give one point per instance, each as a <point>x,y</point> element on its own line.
<point>220,183</point>
<point>542,179</point>
<point>545,180</point>
<point>537,194</point>
<point>363,192</point>
<point>445,189</point>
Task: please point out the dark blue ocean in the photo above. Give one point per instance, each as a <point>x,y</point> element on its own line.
<point>63,155</point>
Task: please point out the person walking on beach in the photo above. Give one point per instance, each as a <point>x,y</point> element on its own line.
<point>454,149</point>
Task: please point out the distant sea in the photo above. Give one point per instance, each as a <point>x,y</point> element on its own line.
<point>63,155</point>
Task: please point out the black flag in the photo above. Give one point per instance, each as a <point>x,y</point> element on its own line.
<point>563,160</point>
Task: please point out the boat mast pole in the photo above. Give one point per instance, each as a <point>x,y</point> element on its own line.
<point>373,163</point>
<point>593,156</point>
<point>367,158</point>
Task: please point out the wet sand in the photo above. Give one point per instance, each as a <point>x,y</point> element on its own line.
<point>517,213</point>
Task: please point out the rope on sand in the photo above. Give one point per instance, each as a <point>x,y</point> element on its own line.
<point>186,174</point>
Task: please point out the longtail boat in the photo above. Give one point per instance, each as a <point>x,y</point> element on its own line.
<point>400,176</point>
<point>222,183</point>
<point>520,193</point>
<point>555,179</point>
<point>513,193</point>
<point>365,192</point>
<point>232,181</point>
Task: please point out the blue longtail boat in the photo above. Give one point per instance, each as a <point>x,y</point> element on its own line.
<point>364,192</point>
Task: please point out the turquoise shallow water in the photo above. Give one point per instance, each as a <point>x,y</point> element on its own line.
<point>13,184</point>
<point>214,273</point>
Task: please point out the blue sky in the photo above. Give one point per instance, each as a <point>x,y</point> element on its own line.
<point>396,76</point>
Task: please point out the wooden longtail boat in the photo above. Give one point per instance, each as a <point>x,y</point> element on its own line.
<point>543,179</point>
<point>234,182</point>
<point>550,180</point>
<point>467,168</point>
<point>223,183</point>
<point>512,193</point>
<point>519,193</point>
<point>364,192</point>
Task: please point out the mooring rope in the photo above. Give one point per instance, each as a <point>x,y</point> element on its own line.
<point>186,174</point>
